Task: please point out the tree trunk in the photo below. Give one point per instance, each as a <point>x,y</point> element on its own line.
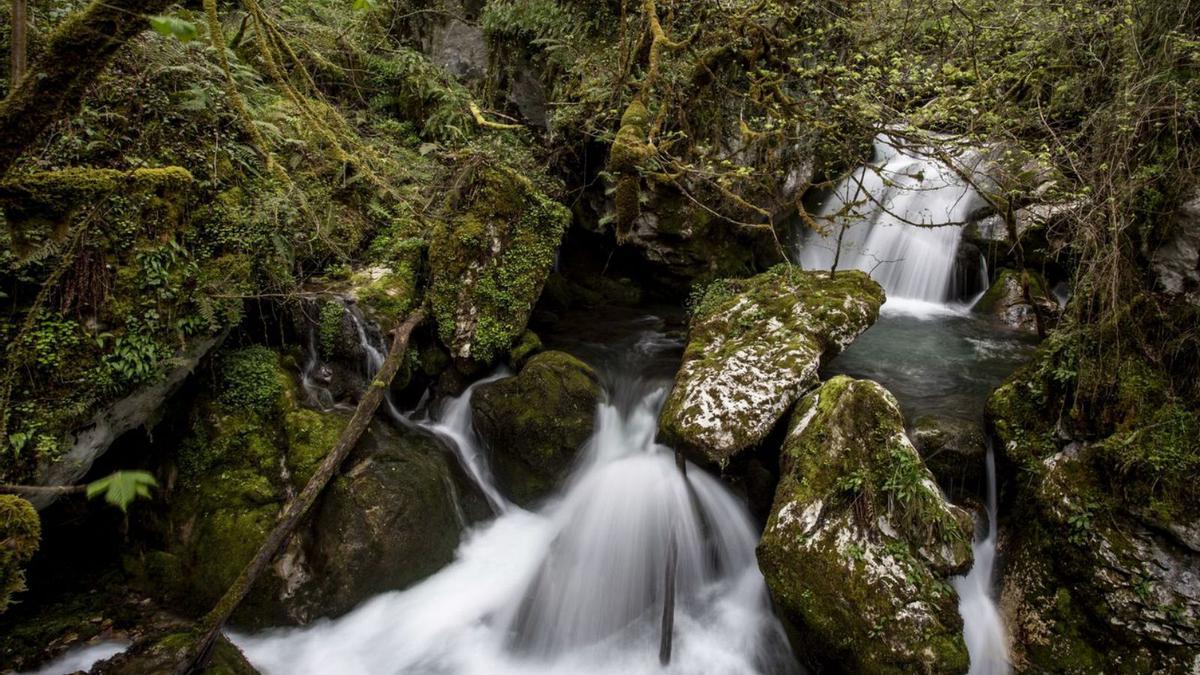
<point>78,51</point>
<point>20,41</point>
<point>298,507</point>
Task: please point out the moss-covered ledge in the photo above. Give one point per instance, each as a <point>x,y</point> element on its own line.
<point>754,347</point>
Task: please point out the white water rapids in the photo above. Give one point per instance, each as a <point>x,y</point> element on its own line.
<point>900,220</point>
<point>579,585</point>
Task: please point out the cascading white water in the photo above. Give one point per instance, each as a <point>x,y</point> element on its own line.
<point>983,625</point>
<point>577,587</point>
<point>453,426</point>
<point>900,219</point>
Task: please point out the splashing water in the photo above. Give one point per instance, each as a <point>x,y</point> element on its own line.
<point>577,587</point>
<point>983,626</point>
<point>899,219</point>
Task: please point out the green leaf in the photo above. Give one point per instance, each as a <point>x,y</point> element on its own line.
<point>122,487</point>
<point>184,31</point>
<point>363,5</point>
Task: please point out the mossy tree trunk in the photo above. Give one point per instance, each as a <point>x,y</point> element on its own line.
<point>19,41</point>
<point>296,509</point>
<point>78,51</point>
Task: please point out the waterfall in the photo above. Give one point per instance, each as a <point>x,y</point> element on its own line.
<point>576,587</point>
<point>900,220</point>
<point>983,626</point>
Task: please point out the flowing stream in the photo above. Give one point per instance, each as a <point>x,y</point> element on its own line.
<point>983,626</point>
<point>580,585</point>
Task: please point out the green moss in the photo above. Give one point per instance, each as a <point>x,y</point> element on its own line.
<point>244,455</point>
<point>629,147</point>
<point>536,422</point>
<point>310,436</point>
<point>489,263</point>
<point>251,379</point>
<point>629,150</point>
<point>332,319</point>
<point>20,534</point>
<point>527,345</point>
<point>388,296</point>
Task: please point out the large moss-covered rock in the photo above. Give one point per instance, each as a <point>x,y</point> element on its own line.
<point>536,422</point>
<point>860,543</point>
<point>1103,556</point>
<point>251,447</point>
<point>489,261</point>
<point>754,347</point>
<point>388,521</point>
<point>1006,301</point>
<point>20,532</point>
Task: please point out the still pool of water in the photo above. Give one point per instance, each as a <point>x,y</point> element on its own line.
<point>944,365</point>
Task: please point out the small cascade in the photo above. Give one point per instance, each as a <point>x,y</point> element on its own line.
<point>315,376</point>
<point>453,426</point>
<point>899,219</point>
<point>983,625</point>
<point>370,344</point>
<point>580,586</point>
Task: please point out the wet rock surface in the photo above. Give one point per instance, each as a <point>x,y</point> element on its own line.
<point>536,422</point>
<point>1006,300</point>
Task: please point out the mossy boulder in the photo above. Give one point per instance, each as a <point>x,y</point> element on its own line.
<point>535,422</point>
<point>20,534</point>
<point>860,543</point>
<point>754,347</point>
<point>389,520</point>
<point>249,449</point>
<point>1005,300</point>
<point>489,261</point>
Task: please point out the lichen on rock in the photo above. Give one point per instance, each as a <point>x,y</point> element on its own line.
<point>536,422</point>
<point>861,542</point>
<point>754,347</point>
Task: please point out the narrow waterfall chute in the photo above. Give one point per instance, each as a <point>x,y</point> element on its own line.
<point>983,625</point>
